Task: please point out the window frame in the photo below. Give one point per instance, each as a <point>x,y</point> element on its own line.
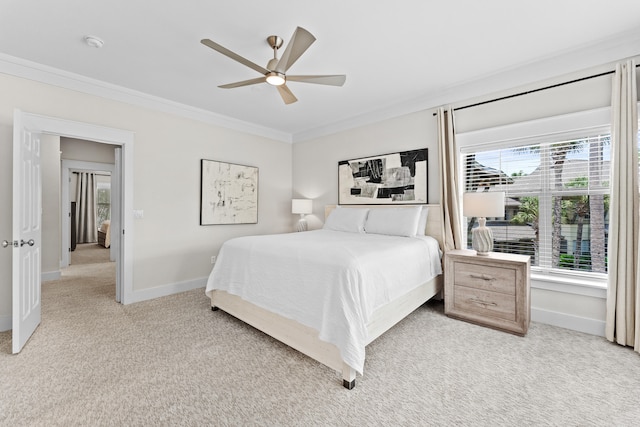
<point>569,126</point>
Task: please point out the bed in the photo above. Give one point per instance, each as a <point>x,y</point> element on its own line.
<point>312,295</point>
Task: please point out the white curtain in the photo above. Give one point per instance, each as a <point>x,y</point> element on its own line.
<point>86,227</point>
<point>623,296</point>
<point>449,176</point>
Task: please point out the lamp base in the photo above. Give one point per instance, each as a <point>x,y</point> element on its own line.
<point>301,225</point>
<point>482,239</point>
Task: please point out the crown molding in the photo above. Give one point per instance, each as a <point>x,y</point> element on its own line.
<point>580,60</point>
<point>44,74</point>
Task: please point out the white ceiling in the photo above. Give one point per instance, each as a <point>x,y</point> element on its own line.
<point>397,55</point>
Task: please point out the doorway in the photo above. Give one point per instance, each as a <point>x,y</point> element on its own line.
<point>92,248</point>
<point>68,182</point>
<point>122,182</point>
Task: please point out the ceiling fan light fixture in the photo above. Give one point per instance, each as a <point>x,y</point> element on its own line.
<point>275,79</point>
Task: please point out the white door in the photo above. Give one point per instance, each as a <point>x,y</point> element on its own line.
<point>27,231</point>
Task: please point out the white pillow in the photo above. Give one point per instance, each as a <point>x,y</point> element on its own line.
<point>393,221</point>
<point>347,219</point>
<point>422,223</point>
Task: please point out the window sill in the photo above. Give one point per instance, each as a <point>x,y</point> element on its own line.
<point>570,284</point>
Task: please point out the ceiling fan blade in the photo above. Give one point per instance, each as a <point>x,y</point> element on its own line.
<point>299,43</point>
<point>332,80</point>
<point>286,94</point>
<point>244,83</point>
<point>223,50</point>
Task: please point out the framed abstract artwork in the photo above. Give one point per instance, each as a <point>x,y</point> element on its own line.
<point>387,179</point>
<point>228,193</point>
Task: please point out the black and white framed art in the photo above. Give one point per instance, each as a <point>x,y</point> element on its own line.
<point>228,193</point>
<point>395,178</point>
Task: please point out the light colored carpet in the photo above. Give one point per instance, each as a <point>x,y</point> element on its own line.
<point>172,361</point>
<point>89,253</point>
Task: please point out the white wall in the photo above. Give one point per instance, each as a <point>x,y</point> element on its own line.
<point>585,95</point>
<point>315,162</point>
<point>170,247</point>
<point>89,151</point>
<point>315,168</point>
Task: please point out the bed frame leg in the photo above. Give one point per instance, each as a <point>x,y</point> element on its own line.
<point>348,377</point>
<point>214,308</point>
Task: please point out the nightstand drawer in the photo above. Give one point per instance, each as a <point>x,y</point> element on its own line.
<point>484,303</point>
<point>485,277</point>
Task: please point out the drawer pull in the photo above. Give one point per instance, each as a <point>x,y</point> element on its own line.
<point>482,277</point>
<point>485,304</point>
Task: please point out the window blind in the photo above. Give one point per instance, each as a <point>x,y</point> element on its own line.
<point>556,199</point>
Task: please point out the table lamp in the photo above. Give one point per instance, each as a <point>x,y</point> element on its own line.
<point>302,207</point>
<point>481,206</point>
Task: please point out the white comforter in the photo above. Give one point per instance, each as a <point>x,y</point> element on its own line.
<point>331,281</point>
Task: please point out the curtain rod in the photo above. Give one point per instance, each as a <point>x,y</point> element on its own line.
<point>95,173</point>
<point>534,90</point>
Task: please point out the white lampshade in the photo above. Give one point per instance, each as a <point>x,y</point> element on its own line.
<point>301,206</point>
<point>483,205</point>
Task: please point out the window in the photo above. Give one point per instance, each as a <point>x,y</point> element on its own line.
<point>103,198</point>
<point>556,197</point>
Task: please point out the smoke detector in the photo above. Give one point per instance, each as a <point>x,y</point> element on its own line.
<point>94,41</point>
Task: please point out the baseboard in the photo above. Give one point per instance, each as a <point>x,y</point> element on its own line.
<point>568,321</point>
<point>50,275</point>
<point>5,323</point>
<point>166,290</point>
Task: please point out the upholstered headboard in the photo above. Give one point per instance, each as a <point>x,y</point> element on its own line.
<point>434,219</point>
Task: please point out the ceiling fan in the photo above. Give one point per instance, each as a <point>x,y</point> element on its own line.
<point>275,73</point>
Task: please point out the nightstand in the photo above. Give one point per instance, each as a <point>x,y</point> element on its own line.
<point>490,290</point>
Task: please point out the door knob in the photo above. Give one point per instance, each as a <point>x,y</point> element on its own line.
<point>5,243</point>
<point>30,242</point>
